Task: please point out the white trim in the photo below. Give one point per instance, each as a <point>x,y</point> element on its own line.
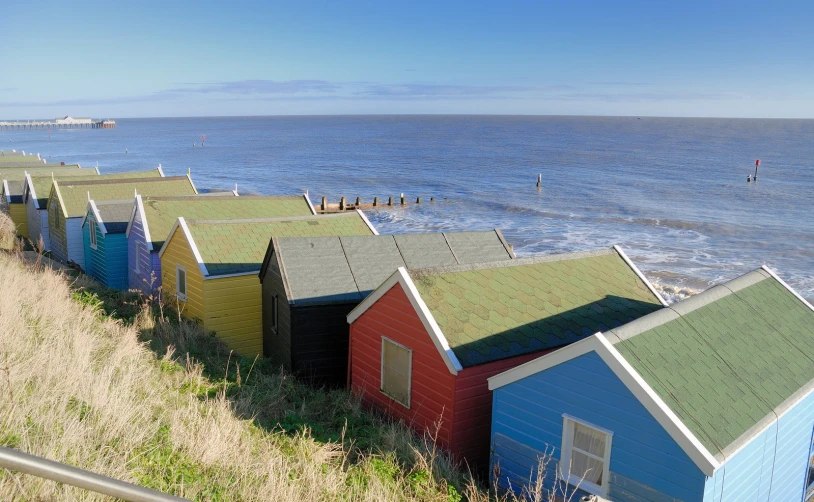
<point>31,192</point>
<point>132,217</point>
<point>685,439</point>
<point>138,208</point>
<point>92,238</point>
<point>367,222</point>
<point>55,187</point>
<point>400,276</point>
<point>640,274</point>
<point>307,199</point>
<point>409,375</point>
<point>160,171</point>
<point>587,424</point>
<point>781,281</point>
<point>6,191</point>
<point>566,453</point>
<point>97,169</point>
<point>237,274</point>
<point>180,222</point>
<point>189,177</point>
<point>184,297</point>
<point>95,210</point>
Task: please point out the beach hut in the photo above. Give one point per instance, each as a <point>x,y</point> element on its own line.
<point>12,186</point>
<point>153,217</point>
<point>38,189</point>
<point>67,206</point>
<point>310,285</point>
<point>212,269</point>
<point>105,242</point>
<point>423,344</point>
<point>710,399</point>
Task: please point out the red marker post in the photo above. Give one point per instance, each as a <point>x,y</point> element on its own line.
<point>757,163</point>
<point>203,141</point>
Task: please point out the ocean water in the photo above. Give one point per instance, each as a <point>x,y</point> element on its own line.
<point>672,192</point>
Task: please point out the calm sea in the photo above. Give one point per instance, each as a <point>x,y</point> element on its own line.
<point>671,192</point>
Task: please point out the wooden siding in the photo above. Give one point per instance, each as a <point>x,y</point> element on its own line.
<point>19,216</point>
<point>772,467</point>
<point>645,462</point>
<point>95,262</point>
<point>116,260</point>
<point>472,420</point>
<point>34,225</point>
<point>44,229</point>
<point>232,309</point>
<point>56,225</point>
<point>143,280</point>
<point>432,391</point>
<point>319,343</point>
<point>179,253</point>
<point>73,241</point>
<point>276,346</point>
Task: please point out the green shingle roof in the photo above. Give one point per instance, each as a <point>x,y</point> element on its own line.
<point>42,184</point>
<point>495,311</point>
<point>74,194</point>
<point>322,270</point>
<point>162,212</point>
<point>725,359</point>
<point>15,178</point>
<point>238,246</point>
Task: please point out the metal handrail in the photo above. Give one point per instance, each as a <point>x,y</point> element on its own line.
<point>14,460</point>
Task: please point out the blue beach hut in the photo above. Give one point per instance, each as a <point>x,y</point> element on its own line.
<point>105,241</point>
<point>710,399</point>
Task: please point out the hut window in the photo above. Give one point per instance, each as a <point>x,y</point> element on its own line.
<point>585,455</point>
<point>274,315</point>
<point>137,266</point>
<point>397,367</point>
<point>181,283</point>
<point>92,230</point>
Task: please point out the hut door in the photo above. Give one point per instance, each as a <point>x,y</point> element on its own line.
<point>808,495</point>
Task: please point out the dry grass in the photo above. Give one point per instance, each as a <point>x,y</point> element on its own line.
<point>112,383</point>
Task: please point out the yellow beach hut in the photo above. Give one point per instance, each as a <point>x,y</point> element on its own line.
<point>212,267</point>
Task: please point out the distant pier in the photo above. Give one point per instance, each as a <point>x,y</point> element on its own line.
<point>66,122</point>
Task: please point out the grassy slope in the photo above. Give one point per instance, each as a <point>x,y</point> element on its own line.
<point>106,381</point>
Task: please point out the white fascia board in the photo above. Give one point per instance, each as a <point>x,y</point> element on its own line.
<point>781,281</point>
<point>132,216</point>
<point>95,210</point>
<point>239,274</point>
<point>29,189</point>
<point>160,170</point>
<point>367,222</point>
<point>308,200</point>
<point>97,170</point>
<point>55,187</point>
<point>669,421</point>
<point>543,363</point>
<point>640,274</point>
<point>183,224</point>
<point>6,191</point>
<point>189,177</point>
<point>427,319</point>
<point>645,394</point>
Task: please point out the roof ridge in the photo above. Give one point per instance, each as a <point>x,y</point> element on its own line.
<point>706,297</point>
<point>271,220</point>
<point>112,202</point>
<point>517,262</point>
<point>126,180</point>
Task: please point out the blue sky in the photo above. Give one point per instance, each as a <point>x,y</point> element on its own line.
<point>147,59</point>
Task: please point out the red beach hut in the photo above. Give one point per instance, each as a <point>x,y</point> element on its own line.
<point>423,344</point>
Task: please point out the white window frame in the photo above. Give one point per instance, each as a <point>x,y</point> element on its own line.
<point>275,314</point>
<point>92,230</point>
<point>563,472</point>
<point>137,266</point>
<point>409,375</point>
<point>178,270</point>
